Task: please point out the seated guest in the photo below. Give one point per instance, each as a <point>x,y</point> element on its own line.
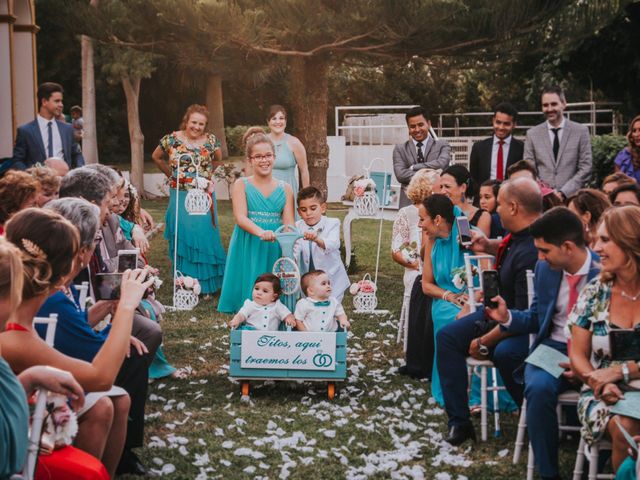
<point>75,336</point>
<point>628,160</point>
<point>519,205</point>
<point>611,182</point>
<point>628,194</point>
<point>406,250</point>
<point>457,184</point>
<point>524,168</point>
<point>49,184</point>
<point>18,190</point>
<point>566,265</point>
<point>608,302</point>
<point>589,204</point>
<point>49,246</point>
<point>58,165</point>
<point>489,203</point>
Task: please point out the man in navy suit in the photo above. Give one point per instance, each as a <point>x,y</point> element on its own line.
<point>566,265</point>
<point>46,137</point>
<point>491,157</point>
<point>519,205</point>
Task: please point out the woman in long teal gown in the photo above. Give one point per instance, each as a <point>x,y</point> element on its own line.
<point>290,152</point>
<point>260,205</point>
<point>191,151</point>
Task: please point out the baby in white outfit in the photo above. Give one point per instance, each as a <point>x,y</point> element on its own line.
<point>264,311</point>
<point>319,312</point>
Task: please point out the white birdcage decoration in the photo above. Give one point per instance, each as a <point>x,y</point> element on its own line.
<point>366,205</point>
<point>198,201</point>
<point>364,295</point>
<point>184,298</point>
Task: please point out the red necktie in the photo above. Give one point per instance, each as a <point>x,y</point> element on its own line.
<point>500,162</point>
<point>502,248</point>
<point>573,281</point>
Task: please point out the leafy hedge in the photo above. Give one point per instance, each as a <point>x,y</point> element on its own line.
<point>604,148</point>
<point>234,138</point>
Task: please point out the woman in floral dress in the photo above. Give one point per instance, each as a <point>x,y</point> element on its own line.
<point>191,149</point>
<point>608,302</point>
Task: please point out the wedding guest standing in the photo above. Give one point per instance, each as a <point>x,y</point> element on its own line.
<point>261,204</point>
<point>628,160</point>
<point>190,151</point>
<point>290,152</point>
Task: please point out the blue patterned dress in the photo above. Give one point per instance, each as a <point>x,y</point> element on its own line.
<point>200,252</point>
<point>250,256</point>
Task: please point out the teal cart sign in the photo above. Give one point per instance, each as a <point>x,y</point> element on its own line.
<point>288,350</point>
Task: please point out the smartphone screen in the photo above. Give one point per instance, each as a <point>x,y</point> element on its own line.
<point>127,260</point>
<point>490,287</point>
<point>108,286</point>
<point>464,231</point>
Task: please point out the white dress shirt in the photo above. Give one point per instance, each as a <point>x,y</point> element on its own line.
<point>318,318</point>
<point>560,315</point>
<point>264,317</point>
<point>494,156</point>
<point>560,132</point>
<point>55,136</point>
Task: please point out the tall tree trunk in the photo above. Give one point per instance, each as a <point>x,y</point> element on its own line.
<point>89,136</point>
<point>216,111</point>
<point>309,101</point>
<point>131,86</point>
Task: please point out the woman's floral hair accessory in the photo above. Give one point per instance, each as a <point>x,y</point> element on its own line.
<point>32,249</point>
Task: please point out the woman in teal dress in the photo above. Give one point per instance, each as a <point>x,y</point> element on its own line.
<point>442,255</point>
<point>290,152</point>
<point>200,253</point>
<point>260,205</point>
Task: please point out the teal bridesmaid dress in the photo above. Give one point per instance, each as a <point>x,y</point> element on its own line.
<point>248,255</point>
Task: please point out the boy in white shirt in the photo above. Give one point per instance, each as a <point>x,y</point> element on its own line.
<point>264,311</point>
<point>319,311</point>
<point>321,244</point>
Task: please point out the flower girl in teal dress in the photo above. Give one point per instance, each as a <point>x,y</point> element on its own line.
<point>261,204</point>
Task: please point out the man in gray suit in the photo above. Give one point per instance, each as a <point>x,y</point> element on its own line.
<point>421,151</point>
<point>559,148</point>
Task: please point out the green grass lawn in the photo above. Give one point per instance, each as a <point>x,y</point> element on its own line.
<point>380,425</point>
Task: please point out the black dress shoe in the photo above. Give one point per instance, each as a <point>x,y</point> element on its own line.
<point>130,464</point>
<point>459,434</point>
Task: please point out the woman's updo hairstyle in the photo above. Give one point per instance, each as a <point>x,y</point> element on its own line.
<point>191,109</point>
<point>48,245</point>
<point>11,276</point>
<point>438,204</point>
<point>252,137</point>
<point>462,177</point>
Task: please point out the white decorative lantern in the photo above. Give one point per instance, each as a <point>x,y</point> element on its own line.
<point>366,205</point>
<point>197,202</point>
<point>184,299</point>
<point>364,302</point>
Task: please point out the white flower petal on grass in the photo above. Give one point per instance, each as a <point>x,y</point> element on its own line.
<point>329,433</point>
<point>168,469</point>
<point>183,450</point>
<point>442,476</point>
<point>250,470</point>
<point>503,453</point>
<point>228,444</point>
<point>202,442</point>
<point>158,461</point>
<point>201,460</point>
<point>247,452</point>
<point>224,462</point>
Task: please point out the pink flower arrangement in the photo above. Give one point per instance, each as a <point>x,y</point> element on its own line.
<point>363,286</point>
<point>189,283</point>
<point>360,187</point>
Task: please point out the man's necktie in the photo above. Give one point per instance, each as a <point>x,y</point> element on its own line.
<point>500,161</point>
<point>556,142</point>
<point>325,303</point>
<point>573,281</point>
<point>311,265</point>
<point>419,151</point>
<point>49,140</point>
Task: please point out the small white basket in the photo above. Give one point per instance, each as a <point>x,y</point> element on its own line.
<point>184,299</point>
<point>367,205</point>
<point>197,202</point>
<point>365,302</point>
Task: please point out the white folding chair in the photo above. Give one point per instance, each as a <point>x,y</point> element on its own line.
<point>403,323</point>
<point>592,453</point>
<point>83,293</point>
<point>37,419</point>
<point>480,367</point>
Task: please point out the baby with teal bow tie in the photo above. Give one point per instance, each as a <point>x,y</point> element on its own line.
<point>319,312</point>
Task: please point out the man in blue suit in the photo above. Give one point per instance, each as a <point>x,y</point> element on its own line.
<point>565,266</point>
<point>46,137</point>
<point>519,205</point>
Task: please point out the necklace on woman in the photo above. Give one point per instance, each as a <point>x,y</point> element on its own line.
<point>633,298</point>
